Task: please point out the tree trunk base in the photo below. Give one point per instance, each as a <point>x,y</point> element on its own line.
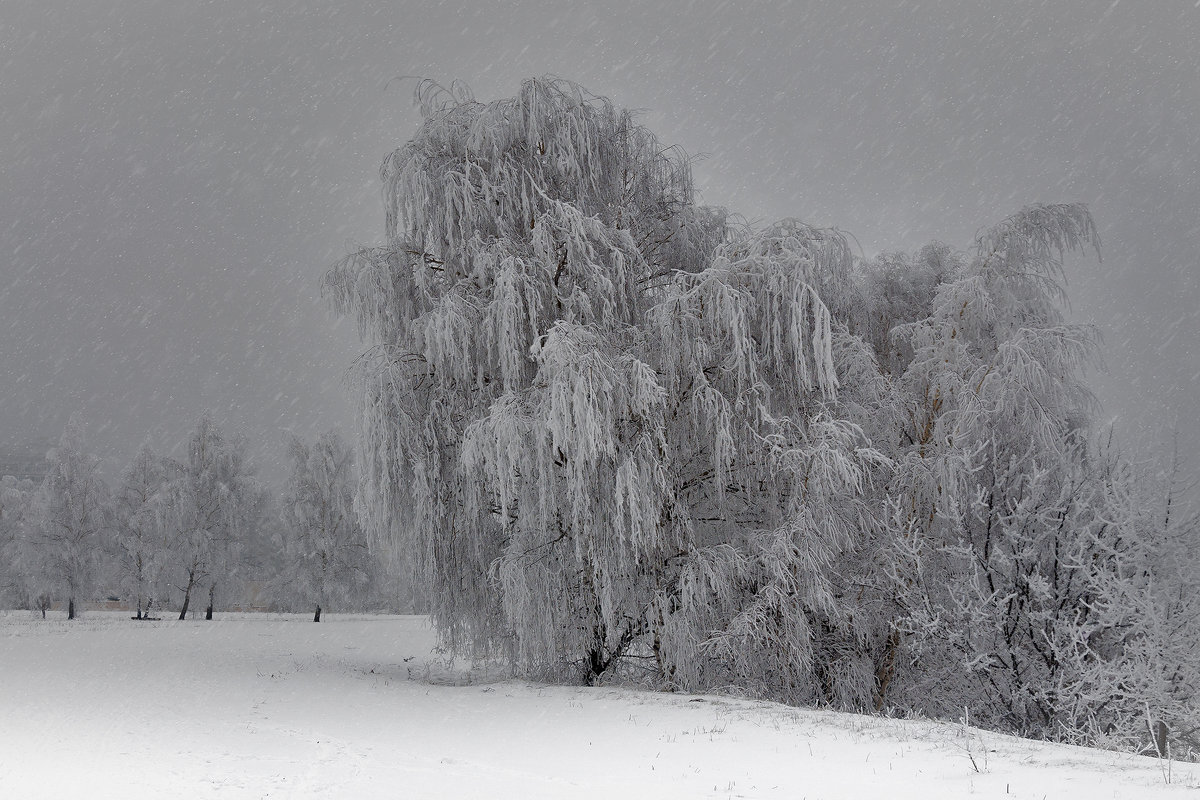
<point>317,616</point>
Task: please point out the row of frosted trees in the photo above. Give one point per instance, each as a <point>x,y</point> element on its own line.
<point>174,533</point>
<point>613,431</point>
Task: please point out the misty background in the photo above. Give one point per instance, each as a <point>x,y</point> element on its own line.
<point>176,178</point>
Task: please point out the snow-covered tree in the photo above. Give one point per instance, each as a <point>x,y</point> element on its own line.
<point>73,514</point>
<point>582,386</point>
<point>261,556</point>
<point>140,530</point>
<point>325,549</point>
<point>16,505</point>
<point>991,466</point>
<point>602,423</point>
<point>207,503</point>
<point>1127,655</point>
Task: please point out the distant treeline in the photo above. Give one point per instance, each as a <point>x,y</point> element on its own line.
<point>175,534</point>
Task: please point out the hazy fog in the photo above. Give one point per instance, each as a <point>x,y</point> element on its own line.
<point>175,178</point>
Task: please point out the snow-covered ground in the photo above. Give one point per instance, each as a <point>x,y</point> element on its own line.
<point>261,705</point>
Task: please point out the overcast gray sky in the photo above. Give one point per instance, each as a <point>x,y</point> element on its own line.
<point>175,177</point>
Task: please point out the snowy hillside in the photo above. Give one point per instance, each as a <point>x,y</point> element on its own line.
<point>276,706</point>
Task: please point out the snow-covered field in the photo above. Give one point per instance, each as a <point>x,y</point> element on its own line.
<point>261,705</point>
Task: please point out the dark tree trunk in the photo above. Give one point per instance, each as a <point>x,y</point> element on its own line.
<point>596,665</point>
<point>886,669</point>
<point>140,583</point>
<point>1161,733</point>
<point>317,616</point>
<point>43,612</point>
<point>208,613</point>
<point>71,608</point>
<point>187,593</point>
<point>212,593</point>
<point>146,611</point>
<point>600,658</point>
